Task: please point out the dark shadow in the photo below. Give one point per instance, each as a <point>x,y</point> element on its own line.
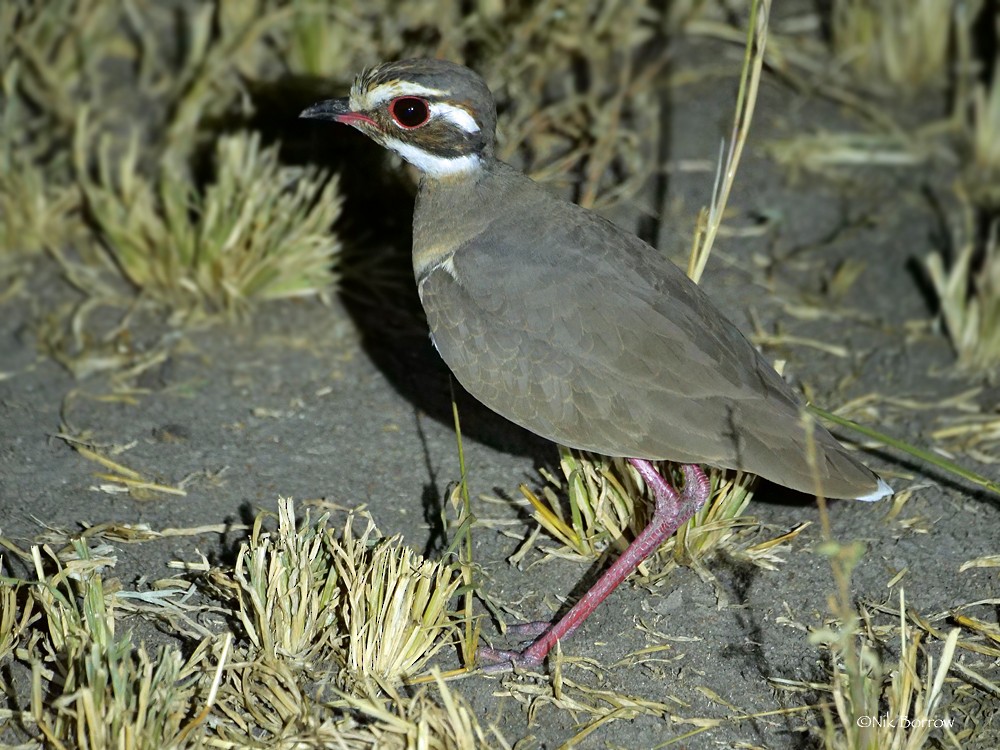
<point>228,544</point>
<point>942,239</point>
<point>650,226</point>
<point>986,38</point>
<point>432,501</point>
<point>740,580</point>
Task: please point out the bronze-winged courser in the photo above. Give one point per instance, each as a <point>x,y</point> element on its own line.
<point>576,329</point>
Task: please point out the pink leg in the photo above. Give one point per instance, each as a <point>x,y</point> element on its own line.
<point>672,509</point>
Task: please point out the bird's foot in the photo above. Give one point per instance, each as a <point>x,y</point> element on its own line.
<point>503,660</point>
<point>494,660</point>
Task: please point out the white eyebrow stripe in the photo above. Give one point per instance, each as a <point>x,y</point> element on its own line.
<point>434,166</point>
<point>391,90</point>
<point>455,115</point>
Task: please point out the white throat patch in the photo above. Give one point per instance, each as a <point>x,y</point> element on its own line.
<point>431,165</point>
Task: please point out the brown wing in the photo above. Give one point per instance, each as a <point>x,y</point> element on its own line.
<point>592,339</point>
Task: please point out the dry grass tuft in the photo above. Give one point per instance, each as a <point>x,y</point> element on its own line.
<point>54,55</point>
<point>894,45</point>
<point>600,507</point>
<point>968,287</point>
<point>395,610</point>
<point>878,705</point>
<point>290,588</point>
<point>607,505</point>
<point>35,214</point>
<point>981,173</point>
<point>369,605</point>
<point>11,626</point>
<point>303,598</point>
<point>44,66</point>
<point>969,295</point>
<point>899,704</point>
<point>90,687</point>
<point>259,231</point>
<point>326,40</point>
<point>444,723</point>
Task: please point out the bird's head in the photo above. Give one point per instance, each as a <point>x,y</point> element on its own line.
<point>437,115</point>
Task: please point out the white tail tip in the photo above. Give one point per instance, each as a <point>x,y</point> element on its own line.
<point>882,491</point>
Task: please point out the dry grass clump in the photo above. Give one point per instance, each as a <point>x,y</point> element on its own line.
<point>969,295</point>
<point>679,13</point>
<point>607,505</point>
<point>328,625</point>
<point>894,45</point>
<point>289,588</point>
<point>395,610</point>
<point>259,231</point>
<point>11,626</point>
<point>444,723</point>
<point>35,214</point>
<point>369,605</point>
<point>89,686</point>
<point>44,65</point>
<point>981,172</point>
<point>334,41</point>
<point>54,55</point>
<point>212,248</point>
<point>968,282</point>
<point>879,705</point>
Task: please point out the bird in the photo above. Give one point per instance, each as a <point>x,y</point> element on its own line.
<point>576,329</point>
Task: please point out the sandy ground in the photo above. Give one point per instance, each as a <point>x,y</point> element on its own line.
<point>348,402</point>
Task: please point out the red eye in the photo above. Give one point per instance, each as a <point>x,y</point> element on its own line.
<point>409,111</point>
